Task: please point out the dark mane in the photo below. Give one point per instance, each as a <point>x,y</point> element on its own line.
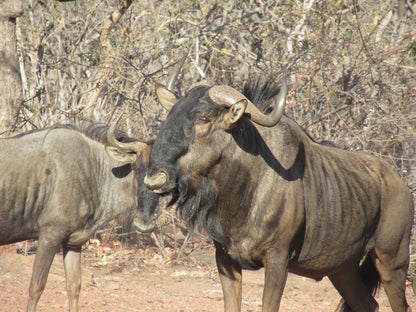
<point>260,90</point>
<point>196,204</point>
<point>93,130</point>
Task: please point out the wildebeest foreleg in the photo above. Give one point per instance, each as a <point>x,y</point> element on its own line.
<point>72,264</point>
<point>275,270</point>
<point>44,257</point>
<point>230,276</point>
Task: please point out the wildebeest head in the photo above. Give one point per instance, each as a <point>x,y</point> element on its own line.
<point>136,154</point>
<point>148,201</point>
<point>193,131</point>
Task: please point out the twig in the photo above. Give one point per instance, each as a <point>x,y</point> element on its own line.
<point>299,29</point>
<point>107,47</point>
<point>308,99</point>
<point>185,243</point>
<point>158,244</point>
<point>411,8</point>
<point>322,117</point>
<point>180,223</point>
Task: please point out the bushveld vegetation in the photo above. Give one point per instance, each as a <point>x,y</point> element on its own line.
<point>351,64</point>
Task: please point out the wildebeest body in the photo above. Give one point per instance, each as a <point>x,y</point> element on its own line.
<point>331,192</point>
<point>49,173</point>
<point>272,197</point>
<point>60,186</point>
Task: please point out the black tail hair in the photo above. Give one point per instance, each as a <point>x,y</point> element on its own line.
<point>369,275</point>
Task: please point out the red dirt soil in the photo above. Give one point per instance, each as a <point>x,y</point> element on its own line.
<point>121,278</point>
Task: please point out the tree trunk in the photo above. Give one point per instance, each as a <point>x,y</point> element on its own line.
<point>10,81</point>
<point>93,105</point>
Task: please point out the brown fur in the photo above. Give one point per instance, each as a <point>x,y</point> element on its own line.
<point>59,186</point>
<point>273,197</point>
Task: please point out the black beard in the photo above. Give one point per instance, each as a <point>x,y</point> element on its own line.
<point>197,205</point>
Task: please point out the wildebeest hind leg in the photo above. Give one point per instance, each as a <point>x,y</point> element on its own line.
<point>72,264</point>
<point>44,257</point>
<point>393,276</point>
<point>356,295</point>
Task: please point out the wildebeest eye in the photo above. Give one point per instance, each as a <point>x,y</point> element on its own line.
<point>204,119</point>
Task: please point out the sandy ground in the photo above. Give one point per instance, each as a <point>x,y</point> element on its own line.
<point>127,279</point>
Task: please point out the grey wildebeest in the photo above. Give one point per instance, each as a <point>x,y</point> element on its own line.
<point>269,196</point>
<point>60,185</point>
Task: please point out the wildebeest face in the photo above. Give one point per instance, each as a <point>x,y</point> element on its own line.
<point>188,138</point>
<point>145,220</point>
<point>136,156</point>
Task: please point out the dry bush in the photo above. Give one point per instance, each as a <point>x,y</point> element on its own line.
<point>351,64</point>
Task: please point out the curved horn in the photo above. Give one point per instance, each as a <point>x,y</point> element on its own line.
<point>166,94</point>
<point>226,96</point>
<point>170,82</point>
<point>135,147</point>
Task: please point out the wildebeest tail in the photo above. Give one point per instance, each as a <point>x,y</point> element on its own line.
<point>370,277</point>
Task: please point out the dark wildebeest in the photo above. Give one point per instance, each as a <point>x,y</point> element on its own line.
<point>60,185</point>
<point>271,197</point>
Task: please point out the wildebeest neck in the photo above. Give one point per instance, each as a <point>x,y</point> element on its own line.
<point>248,138</point>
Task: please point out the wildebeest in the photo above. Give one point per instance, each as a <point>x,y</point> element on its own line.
<point>60,185</point>
<point>269,196</point>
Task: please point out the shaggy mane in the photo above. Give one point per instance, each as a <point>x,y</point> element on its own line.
<point>261,90</point>
<point>93,130</point>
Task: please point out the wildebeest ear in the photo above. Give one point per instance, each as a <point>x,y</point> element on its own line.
<point>120,155</point>
<point>166,97</point>
<point>234,114</point>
